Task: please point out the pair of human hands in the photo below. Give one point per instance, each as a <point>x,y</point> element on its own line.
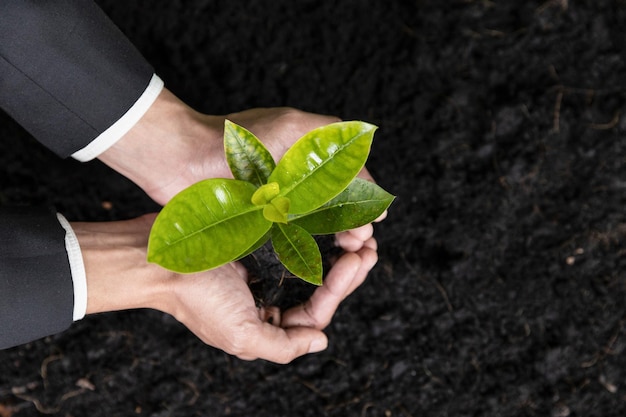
<point>171,148</point>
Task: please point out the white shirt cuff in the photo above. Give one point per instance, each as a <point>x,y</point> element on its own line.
<point>118,129</point>
<point>77,268</point>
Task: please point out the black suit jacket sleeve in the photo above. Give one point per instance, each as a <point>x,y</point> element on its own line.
<point>36,289</point>
<point>67,73</point>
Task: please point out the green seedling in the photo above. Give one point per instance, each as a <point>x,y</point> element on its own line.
<point>312,190</point>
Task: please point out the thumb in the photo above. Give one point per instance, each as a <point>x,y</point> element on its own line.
<point>282,346</point>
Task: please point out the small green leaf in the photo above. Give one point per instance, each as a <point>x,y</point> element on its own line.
<point>322,163</point>
<point>248,159</point>
<point>277,209</point>
<point>265,194</point>
<point>282,204</point>
<point>206,225</point>
<point>298,251</point>
<point>359,204</point>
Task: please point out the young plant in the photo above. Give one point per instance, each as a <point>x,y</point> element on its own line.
<point>312,190</point>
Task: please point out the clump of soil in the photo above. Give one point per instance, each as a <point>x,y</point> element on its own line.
<point>273,285</point>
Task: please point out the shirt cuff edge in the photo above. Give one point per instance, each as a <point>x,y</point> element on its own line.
<point>118,129</point>
<point>77,269</point>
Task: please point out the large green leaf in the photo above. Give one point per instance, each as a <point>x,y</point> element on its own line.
<point>322,163</point>
<point>361,203</point>
<point>298,251</point>
<point>256,245</point>
<point>206,225</point>
<point>247,157</point>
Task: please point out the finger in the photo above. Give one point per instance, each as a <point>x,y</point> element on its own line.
<point>363,232</point>
<point>149,219</point>
<point>371,243</point>
<point>352,240</point>
<point>365,174</point>
<point>369,258</point>
<point>348,242</point>
<point>270,315</point>
<point>381,217</point>
<point>320,308</point>
<point>282,346</point>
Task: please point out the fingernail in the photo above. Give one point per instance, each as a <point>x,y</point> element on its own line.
<point>317,345</point>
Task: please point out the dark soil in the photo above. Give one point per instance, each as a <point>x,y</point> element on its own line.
<point>501,285</point>
<point>273,285</point>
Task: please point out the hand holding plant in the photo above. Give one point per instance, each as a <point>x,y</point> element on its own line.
<point>312,190</point>
<point>217,305</point>
<point>171,148</point>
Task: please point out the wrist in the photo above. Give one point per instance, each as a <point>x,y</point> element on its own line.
<point>171,147</point>
<point>117,272</point>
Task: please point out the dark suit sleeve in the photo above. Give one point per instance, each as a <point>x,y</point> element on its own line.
<point>36,289</point>
<point>67,73</point>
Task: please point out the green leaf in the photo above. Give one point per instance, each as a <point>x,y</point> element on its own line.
<point>298,252</point>
<point>277,209</point>
<point>282,204</point>
<point>206,225</point>
<point>248,159</point>
<point>322,163</point>
<point>265,194</point>
<point>359,204</point>
<point>256,245</point>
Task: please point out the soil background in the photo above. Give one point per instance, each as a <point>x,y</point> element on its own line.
<point>500,289</point>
